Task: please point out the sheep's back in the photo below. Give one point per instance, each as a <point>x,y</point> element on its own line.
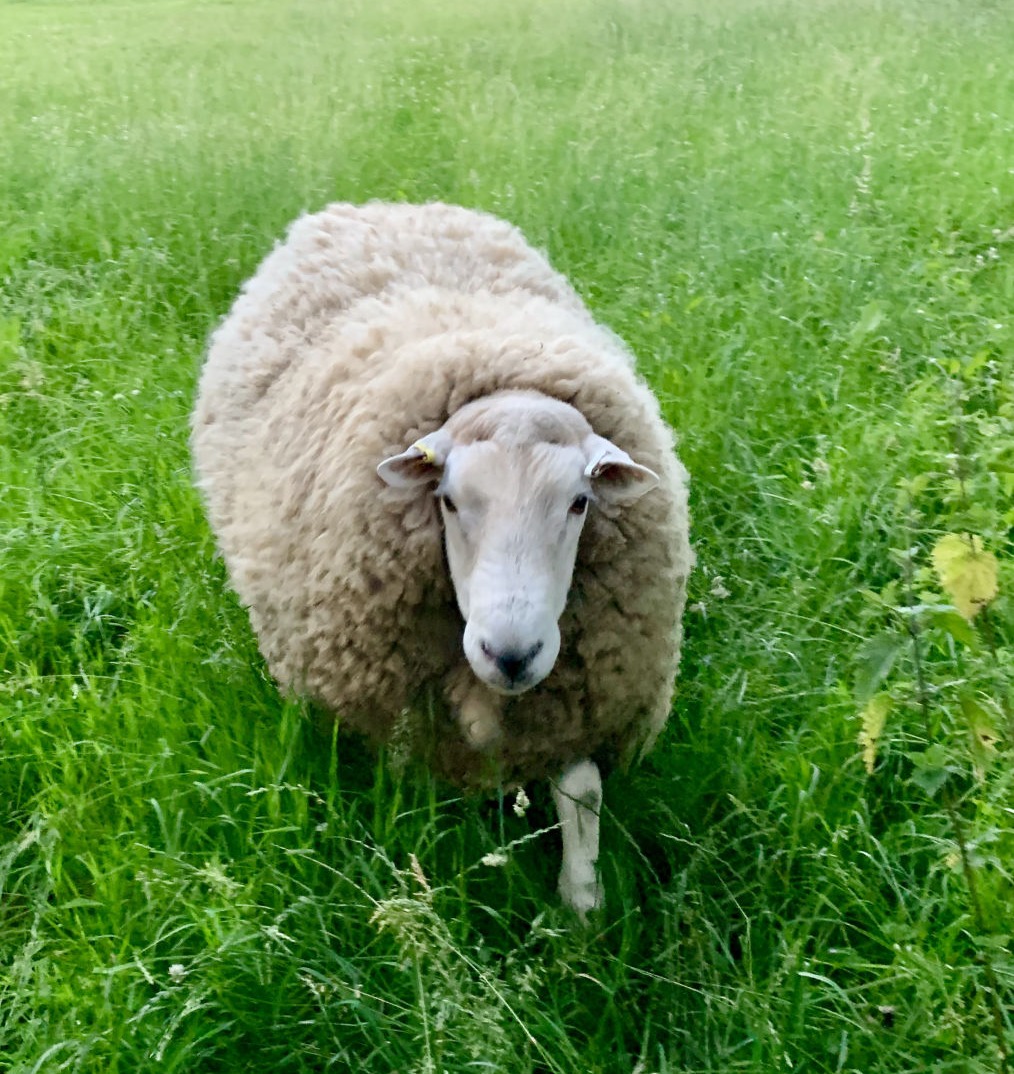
<point>332,261</point>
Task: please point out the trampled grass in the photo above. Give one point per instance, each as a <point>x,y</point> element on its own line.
<point>801,217</point>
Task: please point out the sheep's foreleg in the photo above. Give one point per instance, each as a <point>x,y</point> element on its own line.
<point>578,797</point>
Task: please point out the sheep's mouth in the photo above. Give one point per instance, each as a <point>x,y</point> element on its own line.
<point>510,689</point>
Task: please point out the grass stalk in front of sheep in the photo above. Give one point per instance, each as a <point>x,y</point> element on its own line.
<point>513,561</point>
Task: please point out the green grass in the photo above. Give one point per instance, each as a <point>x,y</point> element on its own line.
<point>801,217</point>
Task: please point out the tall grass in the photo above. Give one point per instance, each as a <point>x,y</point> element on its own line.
<point>801,217</point>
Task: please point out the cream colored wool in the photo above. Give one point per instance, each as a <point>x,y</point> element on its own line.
<point>360,333</point>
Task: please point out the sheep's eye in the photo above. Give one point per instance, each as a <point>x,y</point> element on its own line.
<point>579,505</point>
<point>449,505</point>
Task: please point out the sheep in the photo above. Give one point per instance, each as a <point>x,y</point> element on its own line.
<point>449,503</point>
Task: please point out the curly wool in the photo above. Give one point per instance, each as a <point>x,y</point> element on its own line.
<point>359,334</point>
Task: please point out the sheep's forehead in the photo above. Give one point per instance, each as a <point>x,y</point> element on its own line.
<point>517,474</point>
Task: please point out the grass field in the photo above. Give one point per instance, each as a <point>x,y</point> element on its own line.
<point>801,217</point>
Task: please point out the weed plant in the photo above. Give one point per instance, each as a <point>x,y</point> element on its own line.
<point>801,217</point>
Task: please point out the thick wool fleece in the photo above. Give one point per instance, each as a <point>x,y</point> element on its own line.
<point>359,334</point>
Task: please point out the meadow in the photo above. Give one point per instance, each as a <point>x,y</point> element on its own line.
<point>800,215</point>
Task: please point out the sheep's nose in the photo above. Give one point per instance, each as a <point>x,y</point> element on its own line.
<point>511,663</point>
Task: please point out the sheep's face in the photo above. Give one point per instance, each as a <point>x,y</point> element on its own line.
<point>516,474</point>
<point>512,518</point>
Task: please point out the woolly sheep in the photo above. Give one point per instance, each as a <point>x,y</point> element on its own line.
<point>398,384</point>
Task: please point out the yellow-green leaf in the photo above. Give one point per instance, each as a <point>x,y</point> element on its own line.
<point>874,716</point>
<point>966,571</point>
<point>983,736</point>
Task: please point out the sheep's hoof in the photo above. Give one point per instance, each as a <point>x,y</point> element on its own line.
<point>582,896</point>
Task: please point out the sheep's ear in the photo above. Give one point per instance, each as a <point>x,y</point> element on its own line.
<point>420,464</point>
<point>614,475</point>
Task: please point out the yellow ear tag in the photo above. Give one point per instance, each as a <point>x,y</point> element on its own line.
<point>427,452</point>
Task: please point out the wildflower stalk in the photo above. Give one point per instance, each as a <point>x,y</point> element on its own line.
<point>961,455</point>
<point>954,816</point>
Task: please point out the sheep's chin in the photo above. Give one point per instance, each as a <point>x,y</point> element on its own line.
<point>505,691</point>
